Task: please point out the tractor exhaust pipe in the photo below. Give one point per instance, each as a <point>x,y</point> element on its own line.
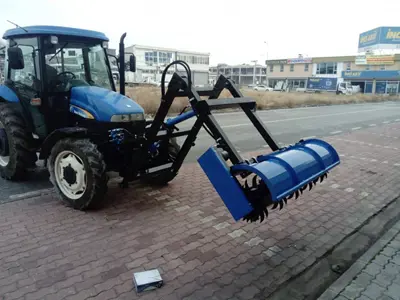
<point>122,65</point>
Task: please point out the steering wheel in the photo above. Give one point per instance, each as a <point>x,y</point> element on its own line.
<point>67,72</point>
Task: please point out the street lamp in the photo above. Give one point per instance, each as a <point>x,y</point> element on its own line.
<point>266,65</point>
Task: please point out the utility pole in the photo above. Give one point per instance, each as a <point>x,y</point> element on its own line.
<point>254,70</point>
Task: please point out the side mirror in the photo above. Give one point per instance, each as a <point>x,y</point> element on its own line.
<point>132,63</point>
<point>15,58</point>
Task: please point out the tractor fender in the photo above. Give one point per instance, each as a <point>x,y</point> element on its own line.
<point>8,95</point>
<point>58,134</point>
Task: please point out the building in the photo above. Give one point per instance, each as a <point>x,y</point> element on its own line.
<point>371,73</point>
<point>242,75</point>
<point>375,69</point>
<point>151,61</point>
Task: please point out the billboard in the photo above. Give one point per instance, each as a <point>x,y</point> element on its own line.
<point>380,38</point>
<point>320,83</point>
<point>371,74</point>
<point>375,60</point>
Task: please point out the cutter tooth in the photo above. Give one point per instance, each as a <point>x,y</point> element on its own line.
<point>275,205</point>
<point>285,200</point>
<point>261,216</point>
<point>310,186</point>
<point>291,196</point>
<point>297,194</point>
<point>266,212</point>
<point>280,205</point>
<point>255,181</point>
<point>315,181</point>
<point>246,185</point>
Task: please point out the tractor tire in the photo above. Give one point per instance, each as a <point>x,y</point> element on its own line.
<point>17,154</point>
<point>78,172</point>
<point>163,178</point>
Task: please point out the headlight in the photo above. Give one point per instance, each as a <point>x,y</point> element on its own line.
<point>127,118</point>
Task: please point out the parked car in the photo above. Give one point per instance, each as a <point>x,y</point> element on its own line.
<point>263,88</point>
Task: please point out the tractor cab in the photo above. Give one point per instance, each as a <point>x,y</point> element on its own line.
<point>58,71</point>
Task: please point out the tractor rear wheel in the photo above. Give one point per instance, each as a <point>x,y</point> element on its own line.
<point>163,178</point>
<point>78,172</point>
<point>16,153</point>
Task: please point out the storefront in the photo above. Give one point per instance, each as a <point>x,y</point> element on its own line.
<point>375,82</point>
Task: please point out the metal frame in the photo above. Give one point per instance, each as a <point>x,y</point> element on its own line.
<point>202,109</point>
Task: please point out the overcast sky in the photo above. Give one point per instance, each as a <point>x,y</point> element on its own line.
<point>232,31</point>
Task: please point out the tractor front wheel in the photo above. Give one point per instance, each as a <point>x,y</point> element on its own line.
<point>78,172</point>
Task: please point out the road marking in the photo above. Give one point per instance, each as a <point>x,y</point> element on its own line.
<point>397,120</point>
<point>356,128</point>
<point>310,117</point>
<point>372,125</point>
<point>385,122</point>
<point>309,137</point>
<point>335,132</point>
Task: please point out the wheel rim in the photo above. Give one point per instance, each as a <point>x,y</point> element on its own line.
<point>3,159</point>
<point>70,174</point>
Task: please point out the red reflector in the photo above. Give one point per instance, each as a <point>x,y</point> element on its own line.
<point>36,101</point>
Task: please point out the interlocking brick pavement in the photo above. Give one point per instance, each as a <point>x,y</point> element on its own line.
<point>375,275</point>
<point>49,251</point>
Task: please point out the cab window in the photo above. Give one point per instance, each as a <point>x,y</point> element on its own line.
<point>29,75</point>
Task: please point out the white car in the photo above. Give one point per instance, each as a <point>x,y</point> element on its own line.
<point>263,88</point>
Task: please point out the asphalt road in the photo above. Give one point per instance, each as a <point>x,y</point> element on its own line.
<point>290,125</point>
<point>286,125</point>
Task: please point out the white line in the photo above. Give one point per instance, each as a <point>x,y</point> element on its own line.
<point>385,122</point>
<point>335,132</point>
<point>309,137</point>
<point>397,120</point>
<point>356,128</point>
<point>372,125</point>
<point>310,117</point>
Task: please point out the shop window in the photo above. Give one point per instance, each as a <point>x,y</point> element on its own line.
<point>271,68</point>
<point>305,67</point>
<point>291,68</point>
<point>282,68</point>
<point>367,67</point>
<point>348,66</point>
<point>382,68</point>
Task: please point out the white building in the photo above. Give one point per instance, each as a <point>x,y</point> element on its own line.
<point>150,62</point>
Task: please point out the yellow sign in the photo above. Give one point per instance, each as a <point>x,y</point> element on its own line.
<point>375,60</point>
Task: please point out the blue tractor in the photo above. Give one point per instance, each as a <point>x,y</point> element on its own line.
<point>59,103</point>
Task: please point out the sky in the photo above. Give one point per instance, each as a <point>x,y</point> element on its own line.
<point>233,32</point>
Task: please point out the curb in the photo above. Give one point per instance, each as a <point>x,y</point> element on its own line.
<point>340,284</point>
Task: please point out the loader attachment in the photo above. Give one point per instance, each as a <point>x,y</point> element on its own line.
<point>248,187</point>
<point>269,180</point>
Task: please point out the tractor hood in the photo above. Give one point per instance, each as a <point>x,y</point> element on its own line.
<point>103,103</point>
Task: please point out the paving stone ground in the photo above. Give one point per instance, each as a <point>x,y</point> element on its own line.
<point>374,278</point>
<point>50,251</point>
